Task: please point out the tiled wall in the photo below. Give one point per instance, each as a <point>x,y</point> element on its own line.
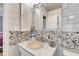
<point>65,39</point>
<point>70,17</point>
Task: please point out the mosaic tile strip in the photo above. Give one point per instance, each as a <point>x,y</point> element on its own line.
<point>65,39</point>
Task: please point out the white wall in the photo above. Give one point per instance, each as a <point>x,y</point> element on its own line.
<point>39,13</point>
<point>52,13</point>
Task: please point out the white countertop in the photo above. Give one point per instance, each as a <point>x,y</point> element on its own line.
<point>45,51</point>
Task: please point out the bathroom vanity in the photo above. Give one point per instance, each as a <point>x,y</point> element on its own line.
<point>46,50</point>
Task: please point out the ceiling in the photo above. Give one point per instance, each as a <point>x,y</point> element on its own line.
<point>52,6</point>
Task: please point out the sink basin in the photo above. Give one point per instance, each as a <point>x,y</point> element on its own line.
<point>35,44</point>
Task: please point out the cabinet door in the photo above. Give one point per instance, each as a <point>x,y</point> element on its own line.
<point>25,17</point>
<point>24,52</point>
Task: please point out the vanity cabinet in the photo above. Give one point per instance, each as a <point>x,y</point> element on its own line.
<point>46,50</point>
<point>24,52</point>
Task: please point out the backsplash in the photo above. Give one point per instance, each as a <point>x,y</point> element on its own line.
<point>65,39</point>
<point>17,36</point>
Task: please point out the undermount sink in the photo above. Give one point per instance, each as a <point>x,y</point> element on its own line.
<point>35,44</point>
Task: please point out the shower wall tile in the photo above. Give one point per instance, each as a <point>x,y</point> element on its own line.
<point>65,5</point>
<point>71,10</point>
<point>73,5</point>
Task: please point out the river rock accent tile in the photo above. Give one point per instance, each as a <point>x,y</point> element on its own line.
<point>65,39</point>
<point>14,37</point>
<point>25,35</point>
<point>69,40</point>
<point>17,37</point>
<point>46,36</point>
<point>40,36</point>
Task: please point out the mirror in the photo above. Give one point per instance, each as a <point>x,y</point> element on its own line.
<point>47,16</point>
<point>40,16</point>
